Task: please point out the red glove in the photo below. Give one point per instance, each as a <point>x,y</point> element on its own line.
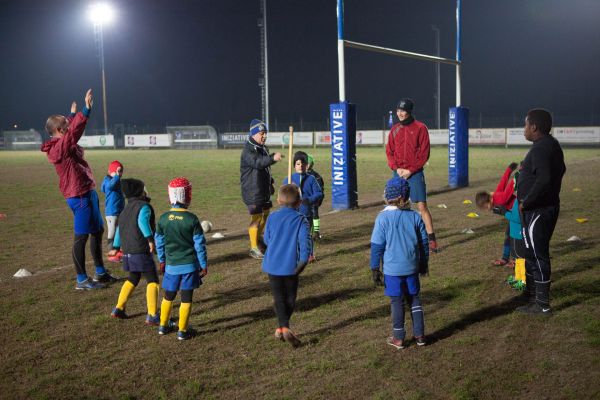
<point>162,268</point>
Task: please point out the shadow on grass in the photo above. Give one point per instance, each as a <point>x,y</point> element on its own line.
<point>304,304</point>
<point>227,297</point>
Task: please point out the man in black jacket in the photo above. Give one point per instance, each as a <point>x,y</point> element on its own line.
<point>538,189</point>
<point>256,182</point>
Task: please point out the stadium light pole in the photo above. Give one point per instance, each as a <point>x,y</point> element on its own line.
<point>101,14</point>
<point>437,76</point>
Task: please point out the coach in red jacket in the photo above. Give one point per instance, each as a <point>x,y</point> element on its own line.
<point>76,184</point>
<point>407,152</point>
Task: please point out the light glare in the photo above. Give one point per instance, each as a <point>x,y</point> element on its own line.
<point>101,13</point>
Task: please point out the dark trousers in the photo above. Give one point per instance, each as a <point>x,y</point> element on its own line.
<point>538,227</point>
<point>284,289</point>
<point>416,313</point>
<point>79,250</point>
<point>134,277</point>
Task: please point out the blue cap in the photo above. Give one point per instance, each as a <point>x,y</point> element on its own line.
<point>257,126</point>
<point>396,188</point>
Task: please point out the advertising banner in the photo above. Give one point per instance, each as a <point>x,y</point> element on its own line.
<point>231,139</point>
<point>369,137</point>
<point>577,135</point>
<point>515,136</point>
<point>487,136</point>
<point>97,141</point>
<point>283,138</point>
<point>438,136</point>
<point>158,140</point>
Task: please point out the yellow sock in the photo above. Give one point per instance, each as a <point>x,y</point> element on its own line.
<point>263,222</point>
<point>152,298</point>
<point>253,230</point>
<point>124,295</point>
<point>165,312</point>
<point>184,315</point>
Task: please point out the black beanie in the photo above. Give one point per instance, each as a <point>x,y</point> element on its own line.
<point>132,187</point>
<point>406,105</point>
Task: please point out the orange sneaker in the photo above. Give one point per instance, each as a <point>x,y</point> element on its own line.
<point>289,337</point>
<point>279,334</point>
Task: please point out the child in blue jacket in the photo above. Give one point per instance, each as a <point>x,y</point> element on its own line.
<point>400,239</point>
<point>310,191</point>
<point>287,236</point>
<point>113,204</point>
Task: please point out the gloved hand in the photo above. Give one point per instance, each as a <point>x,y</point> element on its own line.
<point>513,166</point>
<point>162,268</point>
<point>377,277</point>
<point>424,268</point>
<point>299,268</point>
<point>500,210</point>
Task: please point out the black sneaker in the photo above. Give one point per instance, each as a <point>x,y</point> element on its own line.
<point>106,277</point>
<point>420,340</point>
<point>535,308</point>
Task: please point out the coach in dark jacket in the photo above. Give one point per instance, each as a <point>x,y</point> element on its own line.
<point>257,182</point>
<point>538,189</point>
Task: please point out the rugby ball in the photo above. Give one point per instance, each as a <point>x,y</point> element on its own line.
<point>206,226</point>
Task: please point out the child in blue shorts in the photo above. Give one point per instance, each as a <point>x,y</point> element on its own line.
<point>135,237</point>
<point>400,239</point>
<point>181,249</point>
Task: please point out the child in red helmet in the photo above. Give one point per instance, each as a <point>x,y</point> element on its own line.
<point>113,204</point>
<point>181,249</point>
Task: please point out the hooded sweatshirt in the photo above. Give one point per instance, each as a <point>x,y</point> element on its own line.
<point>74,173</point>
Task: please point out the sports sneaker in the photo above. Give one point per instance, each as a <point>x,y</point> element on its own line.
<point>312,259</point>
<point>433,247</point>
<point>317,235</point>
<point>535,308</point>
<point>510,264</point>
<point>163,330</point>
<point>183,335</point>
<point>153,320</point>
<point>106,277</point>
<point>256,253</point>
<point>279,334</point>
<point>117,257</point>
<point>420,340</point>
<point>88,284</point>
<point>500,262</point>
<point>118,313</point>
<point>397,343</point>
<point>289,337</point>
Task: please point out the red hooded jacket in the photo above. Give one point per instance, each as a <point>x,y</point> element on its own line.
<point>74,173</point>
<point>505,191</point>
<point>408,146</point>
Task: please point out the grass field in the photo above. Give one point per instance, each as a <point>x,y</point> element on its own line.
<point>62,343</point>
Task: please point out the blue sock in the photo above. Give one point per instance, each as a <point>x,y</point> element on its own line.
<point>81,277</point>
<point>100,269</point>
<point>506,250</point>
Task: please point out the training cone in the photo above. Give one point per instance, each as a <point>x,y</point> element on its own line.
<point>467,201</point>
<point>473,215</point>
<point>581,220</point>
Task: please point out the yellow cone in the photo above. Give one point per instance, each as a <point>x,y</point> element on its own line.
<point>473,215</point>
<point>581,220</point>
<point>467,202</point>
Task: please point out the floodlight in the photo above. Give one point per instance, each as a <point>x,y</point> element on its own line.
<point>101,13</point>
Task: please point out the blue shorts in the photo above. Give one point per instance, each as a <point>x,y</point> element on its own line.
<point>86,209</point>
<point>401,285</point>
<point>138,262</point>
<point>173,283</point>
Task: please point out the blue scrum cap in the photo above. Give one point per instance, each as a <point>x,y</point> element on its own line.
<point>396,188</point>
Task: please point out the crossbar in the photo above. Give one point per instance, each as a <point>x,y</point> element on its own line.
<point>394,52</point>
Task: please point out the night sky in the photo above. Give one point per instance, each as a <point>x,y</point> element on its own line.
<point>190,62</point>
